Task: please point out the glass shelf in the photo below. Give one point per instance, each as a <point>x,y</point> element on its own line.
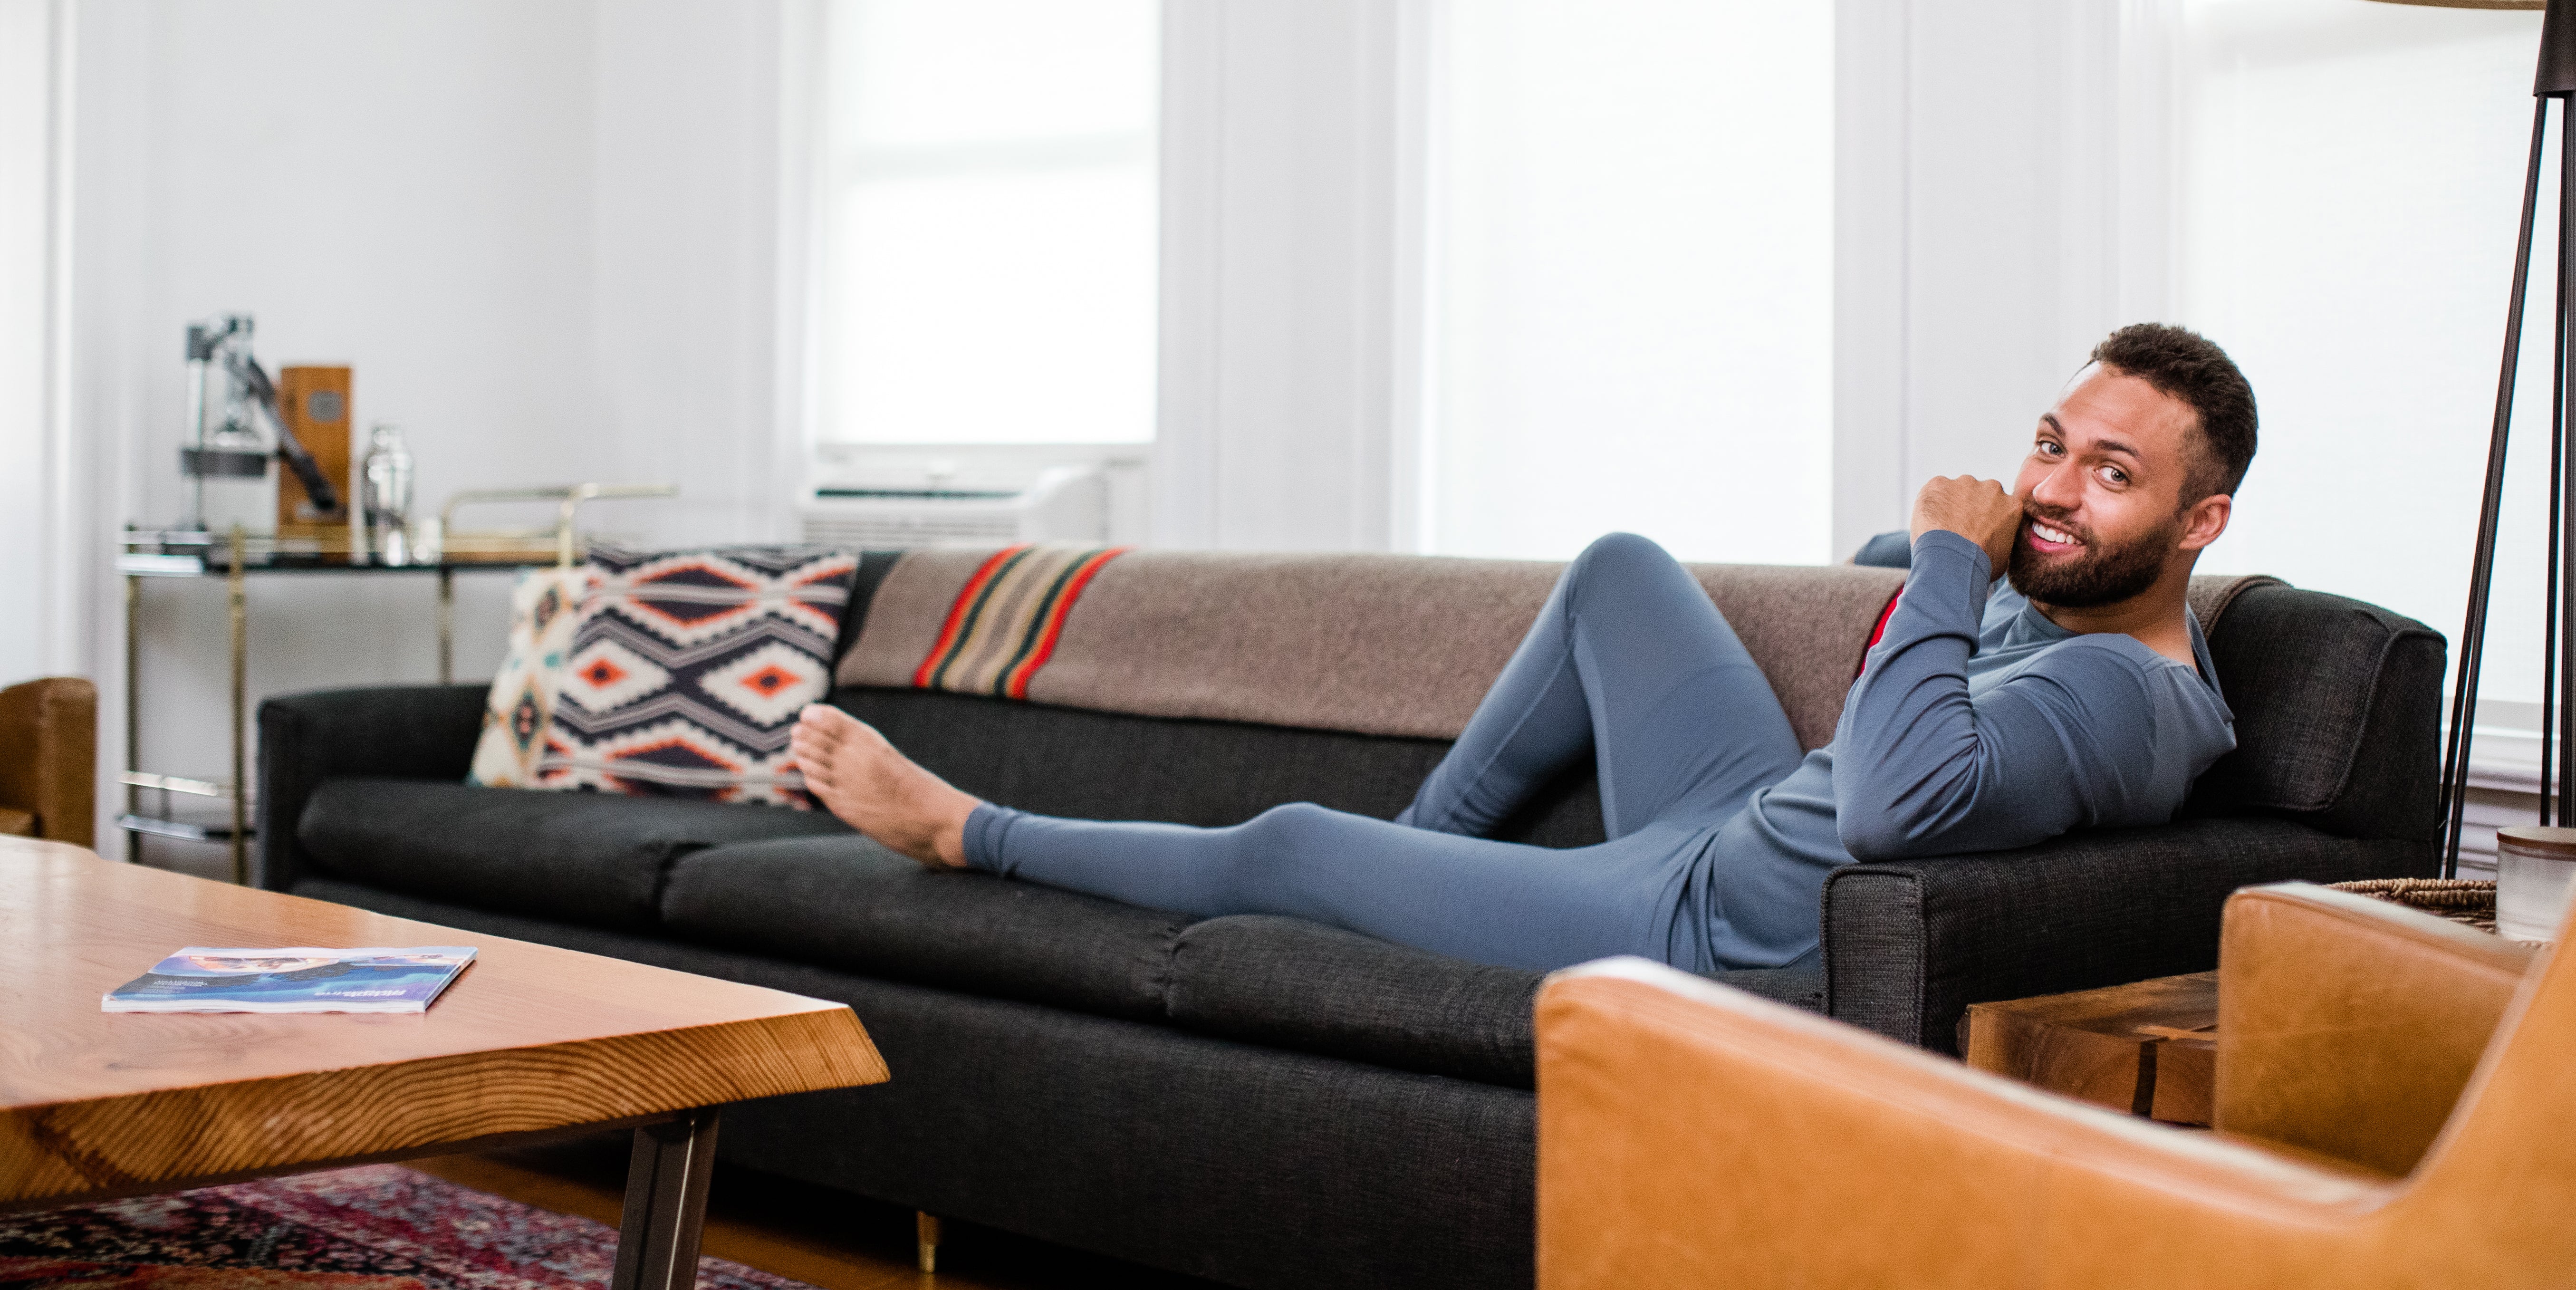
<point>211,822</point>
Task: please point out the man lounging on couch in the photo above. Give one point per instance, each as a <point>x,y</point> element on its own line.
<point>1989,715</point>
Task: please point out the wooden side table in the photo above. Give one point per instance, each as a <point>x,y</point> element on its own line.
<point>2149,1048</point>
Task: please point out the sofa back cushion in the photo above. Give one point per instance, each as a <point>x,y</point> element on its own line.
<point>1370,644</point>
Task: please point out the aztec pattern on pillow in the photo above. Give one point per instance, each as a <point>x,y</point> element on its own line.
<point>542,612</point>
<point>1006,620</point>
<point>688,669</point>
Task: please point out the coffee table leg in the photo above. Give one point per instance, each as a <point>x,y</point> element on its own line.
<point>666,1203</point>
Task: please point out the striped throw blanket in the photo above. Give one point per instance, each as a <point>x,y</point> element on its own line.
<point>1006,620</point>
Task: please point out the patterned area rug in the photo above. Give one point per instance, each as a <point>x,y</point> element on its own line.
<point>376,1227</point>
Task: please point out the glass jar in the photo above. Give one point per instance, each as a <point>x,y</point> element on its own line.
<point>2534,869</point>
<point>387,496</point>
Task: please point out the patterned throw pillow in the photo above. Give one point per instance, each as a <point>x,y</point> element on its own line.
<point>687,671</point>
<point>523,695</point>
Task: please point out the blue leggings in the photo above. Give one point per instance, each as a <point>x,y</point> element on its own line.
<point>1628,660</point>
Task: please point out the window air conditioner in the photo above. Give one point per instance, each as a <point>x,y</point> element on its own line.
<point>1063,504</point>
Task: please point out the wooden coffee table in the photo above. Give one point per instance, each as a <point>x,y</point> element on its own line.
<point>530,1043</point>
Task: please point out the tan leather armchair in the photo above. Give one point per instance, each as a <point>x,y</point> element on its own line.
<point>49,760</point>
<point>2371,1134</point>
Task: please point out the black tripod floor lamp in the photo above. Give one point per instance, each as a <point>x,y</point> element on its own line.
<point>2556,81</point>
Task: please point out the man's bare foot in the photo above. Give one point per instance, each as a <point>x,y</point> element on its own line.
<point>858,776</point>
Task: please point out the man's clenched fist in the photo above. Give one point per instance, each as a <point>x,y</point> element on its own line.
<point>1976,509</point>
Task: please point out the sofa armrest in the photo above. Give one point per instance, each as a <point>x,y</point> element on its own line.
<point>1909,945</point>
<point>1692,1135</point>
<point>2348,1026</point>
<point>401,732</point>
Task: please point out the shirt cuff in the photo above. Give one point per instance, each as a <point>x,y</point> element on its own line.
<point>1951,575</point>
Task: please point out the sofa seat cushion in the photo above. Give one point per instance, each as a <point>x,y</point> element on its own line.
<point>576,857</point>
<point>844,902</point>
<point>1289,983</point>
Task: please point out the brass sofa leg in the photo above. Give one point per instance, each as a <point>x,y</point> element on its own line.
<point>925,1239</point>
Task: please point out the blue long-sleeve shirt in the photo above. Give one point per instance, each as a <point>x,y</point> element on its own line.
<point>1976,725</point>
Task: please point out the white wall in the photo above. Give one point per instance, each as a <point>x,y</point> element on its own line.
<point>2001,203</point>
<point>543,234</point>
<point>1632,259</point>
<point>38,519</point>
<point>1998,210</point>
<point>692,135</point>
<point>1286,389</point>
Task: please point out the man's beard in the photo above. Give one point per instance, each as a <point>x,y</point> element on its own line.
<point>2100,576</point>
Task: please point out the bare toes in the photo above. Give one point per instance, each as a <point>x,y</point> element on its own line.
<point>823,723</point>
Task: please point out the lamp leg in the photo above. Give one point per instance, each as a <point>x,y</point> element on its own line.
<point>2464,691</point>
<point>2552,606</point>
<point>2559,670</point>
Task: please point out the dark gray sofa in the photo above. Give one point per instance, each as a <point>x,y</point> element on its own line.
<point>1257,1100</point>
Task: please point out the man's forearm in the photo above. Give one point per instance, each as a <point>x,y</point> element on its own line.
<point>1932,632</point>
<point>1905,752</point>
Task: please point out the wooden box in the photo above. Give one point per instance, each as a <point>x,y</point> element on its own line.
<point>314,403</point>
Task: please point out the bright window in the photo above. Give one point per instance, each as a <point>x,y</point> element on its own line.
<point>1631,319</point>
<point>990,222</point>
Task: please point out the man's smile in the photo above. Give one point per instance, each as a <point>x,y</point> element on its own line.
<point>2051,539</point>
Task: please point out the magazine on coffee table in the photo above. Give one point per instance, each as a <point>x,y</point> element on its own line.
<point>294,979</point>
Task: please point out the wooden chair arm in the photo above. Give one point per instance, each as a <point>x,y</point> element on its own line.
<point>1690,1134</point>
<point>49,756</point>
<point>2347,1026</point>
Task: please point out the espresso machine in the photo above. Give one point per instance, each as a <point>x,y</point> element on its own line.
<point>229,397</point>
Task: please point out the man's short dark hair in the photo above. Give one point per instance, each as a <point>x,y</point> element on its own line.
<point>2183,364</point>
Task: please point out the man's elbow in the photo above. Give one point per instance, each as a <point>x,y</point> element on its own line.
<point>1873,833</point>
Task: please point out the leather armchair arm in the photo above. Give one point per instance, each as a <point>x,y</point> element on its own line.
<point>1689,1134</point>
<point>49,757</point>
<point>1910,944</point>
<point>2348,1026</point>
<point>402,732</point>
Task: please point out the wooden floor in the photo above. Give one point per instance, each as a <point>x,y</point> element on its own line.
<point>810,1234</point>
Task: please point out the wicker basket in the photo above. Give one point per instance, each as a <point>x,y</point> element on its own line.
<point>2462,900</point>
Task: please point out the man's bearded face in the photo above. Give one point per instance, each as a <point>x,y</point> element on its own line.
<point>2098,573</point>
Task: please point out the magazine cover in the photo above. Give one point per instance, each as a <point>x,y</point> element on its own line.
<point>297,979</point>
